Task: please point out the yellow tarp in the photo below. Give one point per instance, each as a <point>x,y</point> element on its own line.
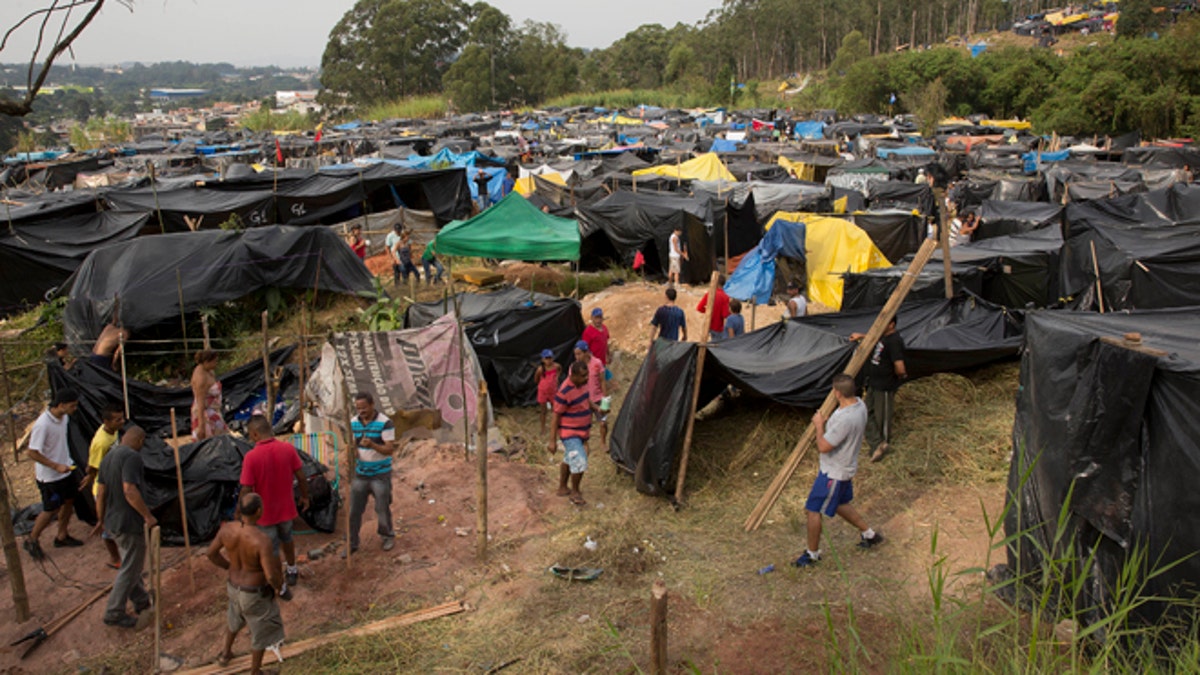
<point>526,187</point>
<point>619,120</point>
<point>833,247</point>
<point>1010,124</point>
<point>705,167</point>
<point>798,170</point>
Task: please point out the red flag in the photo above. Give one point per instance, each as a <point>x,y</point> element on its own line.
<point>319,131</point>
<point>278,153</point>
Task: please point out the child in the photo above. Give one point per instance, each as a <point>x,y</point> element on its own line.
<point>572,424</point>
<point>547,383</point>
<point>357,243</point>
<point>735,325</point>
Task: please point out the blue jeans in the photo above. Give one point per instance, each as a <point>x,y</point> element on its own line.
<point>428,265</point>
<point>379,487</point>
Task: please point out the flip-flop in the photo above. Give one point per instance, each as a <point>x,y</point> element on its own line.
<point>114,566</point>
<point>576,573</point>
<point>577,500</point>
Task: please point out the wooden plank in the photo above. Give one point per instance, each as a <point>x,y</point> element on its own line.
<point>241,664</point>
<point>691,418</point>
<point>1133,342</point>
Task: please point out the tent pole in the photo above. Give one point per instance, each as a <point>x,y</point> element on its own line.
<point>154,188</point>
<point>187,542</point>
<point>1096,269</point>
<point>753,311</point>
<point>944,240</point>
<point>727,237</point>
<point>691,418</point>
<point>124,375</point>
<point>303,363</point>
<point>182,315</point>
<point>351,454</point>
<point>8,411</point>
<point>481,487</point>
<point>269,403</point>
<point>204,329</point>
<point>317,280</point>
<point>12,556</point>
<point>462,380</point>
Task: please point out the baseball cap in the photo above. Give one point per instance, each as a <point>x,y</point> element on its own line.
<point>547,354</point>
<point>597,312</point>
<point>581,346</point>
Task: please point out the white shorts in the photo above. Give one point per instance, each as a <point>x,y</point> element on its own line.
<point>674,266</point>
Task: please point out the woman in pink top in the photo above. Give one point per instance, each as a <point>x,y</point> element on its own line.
<point>547,383</point>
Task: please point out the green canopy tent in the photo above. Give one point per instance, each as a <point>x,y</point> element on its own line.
<point>513,229</point>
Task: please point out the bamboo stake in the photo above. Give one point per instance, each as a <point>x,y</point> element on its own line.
<point>460,335</point>
<point>317,280</point>
<point>303,364</point>
<point>727,236</point>
<point>124,375</point>
<point>944,239</point>
<point>204,328</point>
<point>691,418</point>
<point>12,556</point>
<point>156,576</point>
<point>8,411</point>
<point>481,488</point>
<point>753,311</point>
<point>1096,269</point>
<point>182,315</point>
<point>269,404</point>
<point>154,188</point>
<point>187,541</point>
<point>759,513</point>
<point>658,628</point>
<point>351,454</point>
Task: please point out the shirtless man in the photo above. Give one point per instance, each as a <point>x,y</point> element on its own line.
<point>254,578</point>
<point>107,352</point>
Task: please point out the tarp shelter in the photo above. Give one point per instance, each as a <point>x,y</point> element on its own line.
<point>1114,428</point>
<point>790,362</point>
<point>1140,267</point>
<point>507,330</point>
<point>514,229</point>
<point>38,257</point>
<point>1000,218</point>
<point>620,225</point>
<point>417,368</point>
<point>211,267</point>
<point>705,167</point>
<point>754,277</point>
<point>896,232</point>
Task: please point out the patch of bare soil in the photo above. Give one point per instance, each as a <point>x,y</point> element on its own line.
<point>434,511</point>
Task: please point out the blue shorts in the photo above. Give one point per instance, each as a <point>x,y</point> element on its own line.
<point>828,494</point>
<point>575,456</point>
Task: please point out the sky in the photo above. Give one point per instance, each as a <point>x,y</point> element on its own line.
<point>293,33</point>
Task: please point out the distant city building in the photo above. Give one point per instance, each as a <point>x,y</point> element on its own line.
<point>284,99</point>
<point>173,94</point>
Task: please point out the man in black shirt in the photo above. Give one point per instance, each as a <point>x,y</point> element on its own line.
<point>123,512</point>
<point>885,371</point>
<point>481,183</point>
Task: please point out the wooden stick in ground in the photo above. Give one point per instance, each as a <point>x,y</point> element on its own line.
<point>304,365</point>
<point>944,239</point>
<point>461,337</point>
<point>187,542</point>
<point>8,411</point>
<point>204,329</point>
<point>691,418</point>
<point>351,455</point>
<point>1096,269</point>
<point>269,403</point>
<point>124,375</point>
<point>753,311</point>
<point>658,628</point>
<point>60,622</point>
<point>12,556</point>
<point>182,315</point>
<point>481,487</point>
<point>156,577</point>
<point>759,513</point>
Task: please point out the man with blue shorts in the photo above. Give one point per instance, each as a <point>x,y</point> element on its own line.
<point>838,440</point>
<point>572,424</point>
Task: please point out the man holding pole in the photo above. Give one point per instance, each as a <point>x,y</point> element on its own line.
<point>268,470</point>
<point>123,514</point>
<point>838,440</point>
<point>58,486</point>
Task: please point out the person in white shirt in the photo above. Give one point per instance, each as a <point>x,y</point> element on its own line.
<point>676,255</point>
<point>797,305</point>
<point>53,469</point>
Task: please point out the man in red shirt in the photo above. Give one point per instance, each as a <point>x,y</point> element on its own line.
<point>716,325</point>
<point>572,424</point>
<point>596,336</point>
<point>268,470</point>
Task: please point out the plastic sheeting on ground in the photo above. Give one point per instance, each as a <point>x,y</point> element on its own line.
<point>790,362</point>
<point>1113,429</point>
<point>211,267</point>
<point>514,229</point>
<point>508,329</point>
<point>705,167</point>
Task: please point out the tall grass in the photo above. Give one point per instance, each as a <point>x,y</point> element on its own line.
<point>415,107</point>
<point>265,119</point>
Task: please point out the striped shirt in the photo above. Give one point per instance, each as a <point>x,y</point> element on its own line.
<point>572,406</point>
<point>380,430</point>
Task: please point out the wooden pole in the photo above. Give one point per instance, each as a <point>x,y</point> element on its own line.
<point>658,628</point>
<point>182,315</point>
<point>1096,269</point>
<point>351,455</point>
<point>727,236</point>
<point>944,239</point>
<point>460,335</point>
<point>303,364</point>
<point>124,373</point>
<point>8,411</point>
<point>481,487</point>
<point>156,577</point>
<point>317,280</point>
<point>691,418</point>
<point>269,404</point>
<point>12,555</point>
<point>753,311</point>
<point>865,346</point>
<point>204,328</point>
<point>162,228</point>
<point>187,541</point>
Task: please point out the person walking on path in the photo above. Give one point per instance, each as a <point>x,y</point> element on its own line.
<point>885,371</point>
<point>268,470</point>
<point>596,385</point>
<point>208,418</point>
<point>572,425</point>
<point>375,438</point>
<point>112,419</point>
<point>254,580</point>
<point>716,324</point>
<point>54,471</point>
<point>123,514</point>
<point>670,320</point>
<point>838,440</point>
<point>596,336</point>
<point>735,323</point>
<point>546,377</point>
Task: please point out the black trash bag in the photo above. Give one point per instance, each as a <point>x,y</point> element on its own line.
<point>22,518</point>
<point>323,500</point>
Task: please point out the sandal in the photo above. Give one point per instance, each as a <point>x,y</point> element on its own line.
<point>223,660</point>
<point>113,565</point>
<point>577,499</point>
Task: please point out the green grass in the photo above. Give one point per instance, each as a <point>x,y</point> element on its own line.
<point>265,119</point>
<point>416,107</point>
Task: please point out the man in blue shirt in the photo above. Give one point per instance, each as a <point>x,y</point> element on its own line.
<point>670,320</point>
<point>735,324</point>
<point>375,438</point>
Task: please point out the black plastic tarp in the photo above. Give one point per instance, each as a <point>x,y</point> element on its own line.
<point>895,232</point>
<point>22,208</point>
<point>1000,218</point>
<point>211,267</point>
<point>792,362</point>
<point>1163,158</point>
<point>1113,427</point>
<point>1141,267</point>
<point>508,329</point>
<point>902,195</point>
<point>1158,208</point>
<point>37,257</point>
<point>632,222</point>
<point>872,288</point>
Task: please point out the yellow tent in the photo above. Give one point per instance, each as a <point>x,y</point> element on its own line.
<point>799,170</point>
<point>526,186</point>
<point>833,247</point>
<point>1018,125</point>
<point>705,167</point>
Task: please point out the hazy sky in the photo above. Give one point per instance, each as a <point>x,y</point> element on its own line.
<point>294,32</point>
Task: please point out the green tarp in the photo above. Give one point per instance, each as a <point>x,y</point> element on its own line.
<point>513,229</point>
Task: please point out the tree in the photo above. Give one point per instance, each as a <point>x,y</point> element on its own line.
<point>1137,18</point>
<point>854,49</point>
<point>928,103</point>
<point>56,27</point>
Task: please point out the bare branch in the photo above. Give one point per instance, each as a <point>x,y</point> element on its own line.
<point>31,15</point>
<point>24,106</point>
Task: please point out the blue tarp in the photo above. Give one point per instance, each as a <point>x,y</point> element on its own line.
<point>1033,160</point>
<point>813,131</point>
<point>908,151</point>
<point>755,275</point>
<point>446,158</point>
<point>723,145</point>
<point>348,126</point>
<point>978,48</point>
<point>44,156</point>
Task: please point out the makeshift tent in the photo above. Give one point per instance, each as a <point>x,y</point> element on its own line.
<point>790,362</point>
<point>211,267</point>
<point>872,288</point>
<point>999,218</point>
<point>513,229</point>
<point>705,167</point>
<point>620,225</point>
<point>38,257</point>
<point>507,330</point>
<point>904,195</point>
<point>418,368</point>
<point>895,232</point>
<point>1111,425</point>
<point>1140,267</point>
<point>754,278</point>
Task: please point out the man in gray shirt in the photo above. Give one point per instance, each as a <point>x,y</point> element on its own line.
<point>124,513</point>
<point>838,440</point>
